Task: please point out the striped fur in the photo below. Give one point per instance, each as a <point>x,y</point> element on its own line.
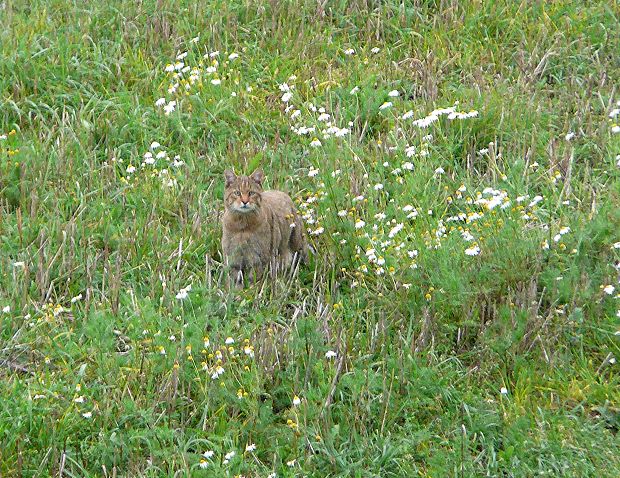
<point>261,229</point>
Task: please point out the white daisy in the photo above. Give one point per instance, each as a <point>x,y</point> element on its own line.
<point>472,251</point>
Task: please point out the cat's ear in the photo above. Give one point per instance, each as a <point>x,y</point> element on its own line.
<point>229,177</point>
<point>258,176</point>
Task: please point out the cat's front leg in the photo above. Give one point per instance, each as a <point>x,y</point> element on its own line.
<point>286,259</point>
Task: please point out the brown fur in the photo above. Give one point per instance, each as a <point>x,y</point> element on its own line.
<point>257,228</point>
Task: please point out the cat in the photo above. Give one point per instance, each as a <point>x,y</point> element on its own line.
<point>260,228</point>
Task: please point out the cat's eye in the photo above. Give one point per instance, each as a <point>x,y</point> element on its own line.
<point>237,193</point>
<point>251,193</point>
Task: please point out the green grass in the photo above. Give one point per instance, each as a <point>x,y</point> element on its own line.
<point>500,363</point>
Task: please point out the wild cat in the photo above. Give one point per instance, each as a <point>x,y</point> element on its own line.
<point>260,228</point>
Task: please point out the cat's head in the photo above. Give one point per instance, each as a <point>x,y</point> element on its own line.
<point>242,194</point>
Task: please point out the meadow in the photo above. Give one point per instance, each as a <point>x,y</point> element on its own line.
<point>457,166</point>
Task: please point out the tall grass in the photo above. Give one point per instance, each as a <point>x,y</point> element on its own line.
<point>458,171</point>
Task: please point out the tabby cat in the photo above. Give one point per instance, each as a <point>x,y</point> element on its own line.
<point>261,229</point>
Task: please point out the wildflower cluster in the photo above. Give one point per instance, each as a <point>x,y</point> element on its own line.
<point>384,223</point>
<point>214,360</point>
<point>310,210</point>
<point>193,71</point>
<point>156,162</point>
<point>450,113</point>
<point>5,144</point>
<point>311,121</point>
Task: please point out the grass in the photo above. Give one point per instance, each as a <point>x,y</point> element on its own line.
<point>460,316</point>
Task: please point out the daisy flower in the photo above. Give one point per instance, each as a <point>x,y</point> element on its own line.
<point>472,251</point>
